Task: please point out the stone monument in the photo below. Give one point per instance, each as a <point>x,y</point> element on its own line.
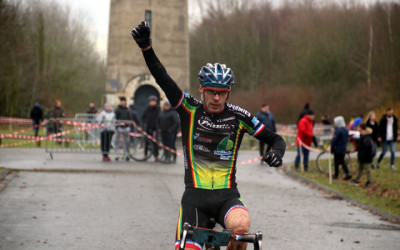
<point>126,70</point>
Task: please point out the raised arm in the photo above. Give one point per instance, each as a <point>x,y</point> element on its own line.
<point>141,34</point>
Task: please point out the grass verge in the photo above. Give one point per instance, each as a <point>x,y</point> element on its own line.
<point>384,193</point>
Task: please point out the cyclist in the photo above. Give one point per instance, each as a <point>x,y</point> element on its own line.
<point>212,130</point>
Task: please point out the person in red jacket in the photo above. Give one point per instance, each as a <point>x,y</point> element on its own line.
<point>305,136</point>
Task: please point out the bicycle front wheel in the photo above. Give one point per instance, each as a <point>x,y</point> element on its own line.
<point>323,162</point>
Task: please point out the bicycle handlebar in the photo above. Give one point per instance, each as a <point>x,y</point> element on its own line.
<point>256,238</point>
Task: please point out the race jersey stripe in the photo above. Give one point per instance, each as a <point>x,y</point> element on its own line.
<point>180,101</point>
<point>248,129</point>
<point>179,226</point>
<point>233,159</point>
<point>191,110</point>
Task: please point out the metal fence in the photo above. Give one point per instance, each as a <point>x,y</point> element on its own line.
<point>86,133</point>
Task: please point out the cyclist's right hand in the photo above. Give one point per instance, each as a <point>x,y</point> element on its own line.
<point>141,34</point>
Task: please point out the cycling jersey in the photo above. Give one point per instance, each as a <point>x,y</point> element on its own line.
<point>210,141</point>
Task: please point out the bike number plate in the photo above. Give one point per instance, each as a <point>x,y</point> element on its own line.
<point>211,237</point>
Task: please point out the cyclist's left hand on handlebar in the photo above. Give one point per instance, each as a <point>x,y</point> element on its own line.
<point>141,34</point>
<point>272,159</point>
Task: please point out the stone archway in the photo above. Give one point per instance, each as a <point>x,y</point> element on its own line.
<point>139,87</point>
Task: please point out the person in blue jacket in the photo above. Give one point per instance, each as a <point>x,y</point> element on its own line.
<point>339,145</point>
<point>267,118</point>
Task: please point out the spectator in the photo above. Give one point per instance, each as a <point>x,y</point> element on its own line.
<point>304,138</point>
<point>365,154</point>
<point>122,115</point>
<point>338,147</point>
<point>91,111</point>
<point>134,114</point>
<point>92,108</point>
<point>326,122</point>
<point>168,123</point>
<point>36,116</point>
<point>55,113</point>
<point>107,118</point>
<point>265,116</point>
<point>388,127</point>
<point>304,112</point>
<point>373,124</point>
<point>149,118</point>
<point>135,117</point>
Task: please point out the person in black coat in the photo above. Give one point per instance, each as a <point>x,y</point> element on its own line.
<point>91,111</point>
<point>168,123</point>
<point>36,116</point>
<point>365,154</point>
<point>92,108</point>
<point>373,124</point>
<point>388,127</point>
<point>136,119</point>
<point>149,119</point>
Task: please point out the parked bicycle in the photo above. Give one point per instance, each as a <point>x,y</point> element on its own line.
<point>140,148</point>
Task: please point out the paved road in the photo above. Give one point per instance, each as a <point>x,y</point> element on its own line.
<point>79,202</point>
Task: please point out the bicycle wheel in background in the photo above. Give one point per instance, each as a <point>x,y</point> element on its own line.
<point>323,162</point>
<point>141,148</point>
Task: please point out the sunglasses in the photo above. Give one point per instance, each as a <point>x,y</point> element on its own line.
<point>214,92</point>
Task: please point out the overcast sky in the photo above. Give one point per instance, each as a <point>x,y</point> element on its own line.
<point>97,13</point>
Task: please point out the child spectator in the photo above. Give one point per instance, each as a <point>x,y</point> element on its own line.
<point>339,145</point>
<point>365,154</point>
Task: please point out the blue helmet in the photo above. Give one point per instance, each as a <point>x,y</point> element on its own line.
<point>216,75</point>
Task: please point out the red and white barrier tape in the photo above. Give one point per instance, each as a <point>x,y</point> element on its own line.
<point>28,129</point>
<point>14,120</point>
<point>309,147</point>
<point>37,138</point>
<point>260,157</point>
<point>155,140</point>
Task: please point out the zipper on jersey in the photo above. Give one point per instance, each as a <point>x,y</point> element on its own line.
<point>212,179</point>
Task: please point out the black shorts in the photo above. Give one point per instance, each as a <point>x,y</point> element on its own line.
<point>199,205</point>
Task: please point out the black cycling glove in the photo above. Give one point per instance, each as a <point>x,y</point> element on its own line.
<point>141,34</point>
<point>272,158</point>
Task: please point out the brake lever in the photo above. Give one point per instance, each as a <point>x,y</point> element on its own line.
<point>186,227</point>
<point>257,244</point>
